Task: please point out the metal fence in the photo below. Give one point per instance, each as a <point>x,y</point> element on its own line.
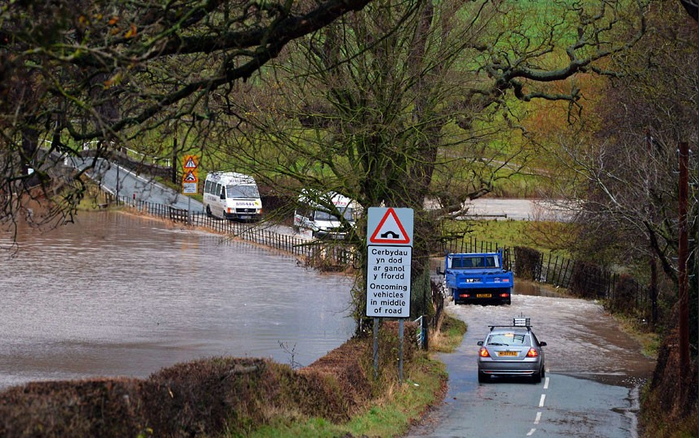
<point>321,254</point>
<point>623,294</point>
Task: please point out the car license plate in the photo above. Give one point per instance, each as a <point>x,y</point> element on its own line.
<point>484,295</point>
<point>507,353</point>
<point>244,216</point>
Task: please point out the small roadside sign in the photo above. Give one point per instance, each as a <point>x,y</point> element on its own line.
<point>389,258</point>
<point>190,162</point>
<point>390,226</point>
<point>190,188</point>
<point>190,178</point>
<point>389,252</point>
<point>388,281</point>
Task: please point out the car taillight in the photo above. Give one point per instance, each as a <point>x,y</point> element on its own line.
<point>532,353</point>
<point>483,352</point>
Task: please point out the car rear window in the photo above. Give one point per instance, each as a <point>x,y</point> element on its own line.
<point>510,339</point>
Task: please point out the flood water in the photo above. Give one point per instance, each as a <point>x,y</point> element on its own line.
<point>123,295</point>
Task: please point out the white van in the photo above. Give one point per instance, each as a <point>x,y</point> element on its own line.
<point>313,213</point>
<point>232,195</point>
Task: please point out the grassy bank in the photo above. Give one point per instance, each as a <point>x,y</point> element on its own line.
<point>232,397</point>
<point>399,406</point>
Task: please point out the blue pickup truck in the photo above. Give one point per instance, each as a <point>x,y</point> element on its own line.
<point>477,278</point>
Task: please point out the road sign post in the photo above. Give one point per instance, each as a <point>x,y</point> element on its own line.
<point>389,252</point>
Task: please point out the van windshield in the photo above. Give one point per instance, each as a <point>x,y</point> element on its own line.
<point>321,215</point>
<point>242,191</point>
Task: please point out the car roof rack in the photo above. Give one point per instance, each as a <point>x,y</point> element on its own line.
<point>521,321</point>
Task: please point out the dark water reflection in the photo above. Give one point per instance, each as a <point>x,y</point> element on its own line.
<point>117,294</point>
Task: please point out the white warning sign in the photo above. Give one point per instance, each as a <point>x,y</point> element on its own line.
<point>389,252</point>
<point>388,281</point>
<point>390,226</point>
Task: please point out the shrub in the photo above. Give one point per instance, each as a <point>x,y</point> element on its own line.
<point>527,263</point>
<point>206,397</point>
<point>588,280</point>
<point>105,408</point>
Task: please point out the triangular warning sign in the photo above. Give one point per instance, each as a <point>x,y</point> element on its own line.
<point>190,177</point>
<point>190,162</point>
<point>390,230</point>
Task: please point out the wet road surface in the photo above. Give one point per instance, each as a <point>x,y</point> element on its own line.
<point>594,371</point>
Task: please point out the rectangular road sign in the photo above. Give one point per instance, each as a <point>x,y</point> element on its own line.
<point>190,188</point>
<point>388,281</point>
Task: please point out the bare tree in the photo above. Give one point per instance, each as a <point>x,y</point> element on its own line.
<point>415,101</point>
<point>73,72</point>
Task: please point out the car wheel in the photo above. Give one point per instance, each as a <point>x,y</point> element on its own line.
<point>543,372</point>
<point>483,378</point>
<point>537,377</point>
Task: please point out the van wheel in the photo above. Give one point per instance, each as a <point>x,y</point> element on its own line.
<point>208,211</point>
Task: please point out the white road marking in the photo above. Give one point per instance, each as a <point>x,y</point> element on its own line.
<point>546,383</point>
<point>538,417</point>
<point>531,432</point>
<point>541,401</point>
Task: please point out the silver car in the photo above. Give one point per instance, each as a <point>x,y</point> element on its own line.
<point>511,350</point>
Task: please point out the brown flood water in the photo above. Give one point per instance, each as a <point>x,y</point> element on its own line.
<point>122,295</point>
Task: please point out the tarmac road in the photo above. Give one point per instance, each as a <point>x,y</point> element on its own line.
<point>591,387</point>
<point>519,209</point>
<point>123,182</point>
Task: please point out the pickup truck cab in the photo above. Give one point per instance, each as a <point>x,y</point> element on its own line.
<point>477,278</point>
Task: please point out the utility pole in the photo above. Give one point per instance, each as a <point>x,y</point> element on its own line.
<point>682,260</point>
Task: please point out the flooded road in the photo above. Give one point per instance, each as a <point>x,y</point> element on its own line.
<point>123,295</point>
<point>593,374</point>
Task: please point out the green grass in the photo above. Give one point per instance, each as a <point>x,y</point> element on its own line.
<point>546,237</point>
<point>390,415</point>
<point>450,337</point>
<point>393,413</point>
